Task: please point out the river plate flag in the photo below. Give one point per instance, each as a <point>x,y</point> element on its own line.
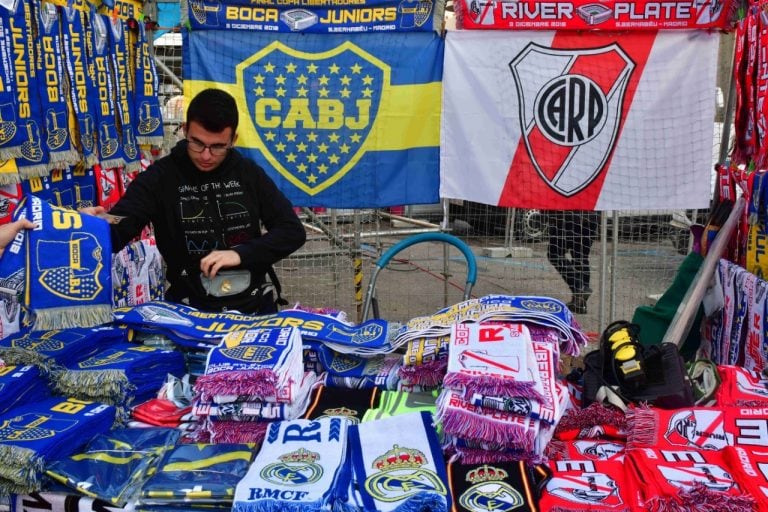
<point>602,121</point>
<point>336,120</point>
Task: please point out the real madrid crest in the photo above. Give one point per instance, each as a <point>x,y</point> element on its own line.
<point>489,491</point>
<point>295,468</point>
<point>399,475</point>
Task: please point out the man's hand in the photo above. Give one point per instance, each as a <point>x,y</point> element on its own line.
<point>9,231</point>
<point>216,260</point>
<point>93,210</point>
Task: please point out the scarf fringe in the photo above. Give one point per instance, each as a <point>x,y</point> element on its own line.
<point>90,160</point>
<point>427,374</point>
<point>9,178</point>
<point>642,427</point>
<point>34,171</point>
<point>492,386</point>
<point>592,415</point>
<point>581,509</point>
<point>69,157</point>
<point>469,426</point>
<point>225,432</point>
<point>101,383</point>
<point>132,166</point>
<point>424,502</point>
<point>258,383</point>
<point>112,163</point>
<point>21,466</point>
<point>149,140</point>
<point>12,152</point>
<point>277,506</point>
<point>68,317</point>
<point>479,456</point>
<point>700,497</point>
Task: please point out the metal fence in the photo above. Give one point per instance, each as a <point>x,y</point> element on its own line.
<point>633,261</point>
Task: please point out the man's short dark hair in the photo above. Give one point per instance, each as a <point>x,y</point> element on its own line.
<point>214,109</point>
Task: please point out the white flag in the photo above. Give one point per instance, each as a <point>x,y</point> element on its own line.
<point>569,120</point>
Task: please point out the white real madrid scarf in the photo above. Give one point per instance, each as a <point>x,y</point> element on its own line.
<point>297,469</point>
<point>398,464</point>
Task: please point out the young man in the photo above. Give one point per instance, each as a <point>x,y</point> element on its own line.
<point>207,204</point>
<point>570,241</point>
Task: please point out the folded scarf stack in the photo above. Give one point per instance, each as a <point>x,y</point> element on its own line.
<point>122,375</point>
<point>427,338</point>
<point>501,398</point>
<point>300,467</point>
<point>54,350</point>
<point>113,466</point>
<point>356,372</point>
<point>404,473</point>
<point>252,377</point>
<point>197,477</point>
<point>21,385</point>
<point>33,435</point>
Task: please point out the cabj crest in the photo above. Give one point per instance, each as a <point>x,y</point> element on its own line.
<point>313,112</point>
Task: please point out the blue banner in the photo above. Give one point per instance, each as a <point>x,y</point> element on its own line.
<point>320,17</point>
<point>341,121</point>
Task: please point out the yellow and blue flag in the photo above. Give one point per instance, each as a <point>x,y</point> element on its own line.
<point>343,121</point>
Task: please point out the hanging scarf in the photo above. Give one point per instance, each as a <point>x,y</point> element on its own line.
<point>149,129</point>
<point>109,147</point>
<point>259,362</point>
<point>497,486</point>
<point>687,480</point>
<point>581,485</point>
<point>108,186</point>
<point>83,90</point>
<point>11,134</point>
<point>198,473</point>
<point>34,434</point>
<point>52,86</point>
<point>34,159</point>
<point>120,61</point>
<point>298,468</point>
<point>10,194</point>
<point>84,186</point>
<point>401,473</point>
<point>351,404</point>
<point>112,466</point>
<point>137,274</point>
<point>68,282</point>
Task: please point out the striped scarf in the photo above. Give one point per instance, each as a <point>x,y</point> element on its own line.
<point>121,67</point>
<point>52,86</point>
<point>83,91</point>
<point>149,129</point>
<point>11,136</point>
<point>34,160</point>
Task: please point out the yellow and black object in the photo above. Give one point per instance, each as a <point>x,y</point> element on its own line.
<point>621,348</point>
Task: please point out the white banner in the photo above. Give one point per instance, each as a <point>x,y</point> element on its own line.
<point>594,120</point>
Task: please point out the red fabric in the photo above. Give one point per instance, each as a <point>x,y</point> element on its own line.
<point>687,480</point>
<point>740,387</point>
<point>108,184</point>
<point>160,412</point>
<point>578,485</point>
<point>750,469</point>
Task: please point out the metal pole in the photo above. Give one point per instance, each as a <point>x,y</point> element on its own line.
<point>614,260</point>
<point>603,268</point>
<point>730,105</point>
<point>686,312</point>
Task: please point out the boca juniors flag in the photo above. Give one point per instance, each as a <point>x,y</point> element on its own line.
<point>593,121</point>
<point>336,120</point>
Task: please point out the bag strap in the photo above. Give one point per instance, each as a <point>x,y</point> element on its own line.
<point>280,301</point>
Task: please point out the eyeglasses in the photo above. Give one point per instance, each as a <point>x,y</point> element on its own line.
<point>215,149</point>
